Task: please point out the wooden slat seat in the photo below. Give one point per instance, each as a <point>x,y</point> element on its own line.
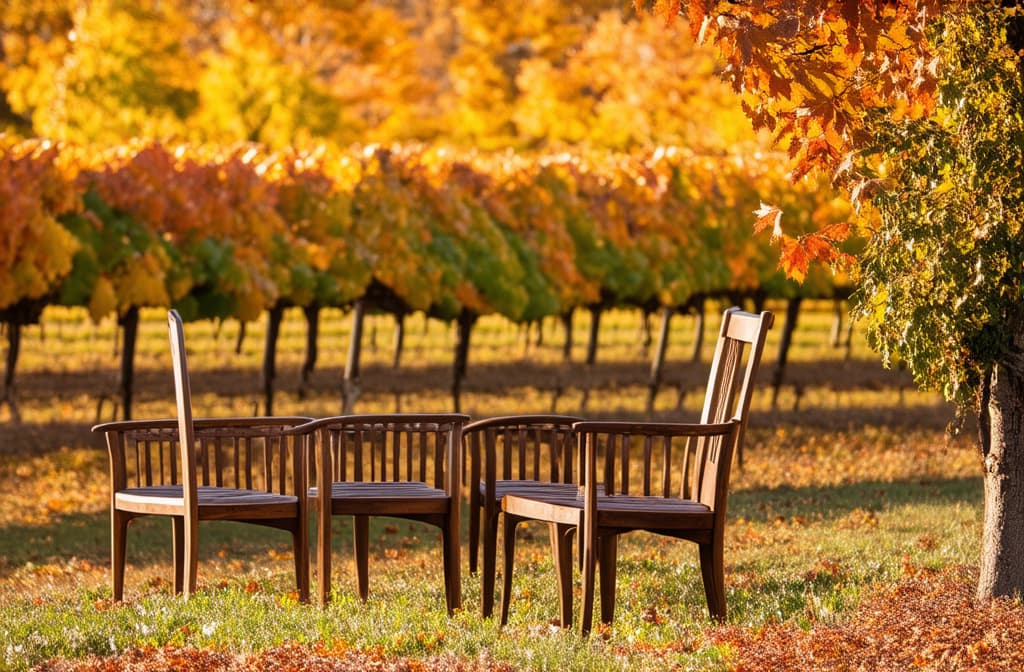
<point>514,454</point>
<point>662,477</point>
<point>618,510</point>
<point>214,503</point>
<point>385,498</point>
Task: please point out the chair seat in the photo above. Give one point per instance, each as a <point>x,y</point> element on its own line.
<point>667,513</point>
<point>564,504</point>
<point>385,498</point>
<point>214,503</point>
<point>525,488</point>
<point>556,503</point>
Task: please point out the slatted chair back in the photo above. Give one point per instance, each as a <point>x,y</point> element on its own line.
<point>523,447</point>
<point>241,453</point>
<point>741,340</point>
<point>392,448</point>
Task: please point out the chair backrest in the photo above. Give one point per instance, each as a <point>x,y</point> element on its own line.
<point>183,398</point>
<point>691,461</point>
<point>391,447</point>
<point>244,453</point>
<point>737,356</point>
<point>520,447</point>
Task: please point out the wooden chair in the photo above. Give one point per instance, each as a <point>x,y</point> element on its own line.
<point>524,450</point>
<point>401,465</point>
<point>240,469</point>
<point>665,478</point>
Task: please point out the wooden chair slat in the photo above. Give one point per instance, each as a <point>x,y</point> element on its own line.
<point>506,454</point>
<point>173,456</point>
<point>357,455</point>
<point>236,459</point>
<point>440,444</point>
<point>423,456</point>
<point>536,440</point>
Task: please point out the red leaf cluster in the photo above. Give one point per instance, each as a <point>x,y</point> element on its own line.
<point>929,621</point>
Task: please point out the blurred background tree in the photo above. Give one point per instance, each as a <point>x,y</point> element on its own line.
<point>485,75</point>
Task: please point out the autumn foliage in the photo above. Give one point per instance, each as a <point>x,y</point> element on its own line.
<point>814,75</point>
<point>232,231</point>
<point>930,620</point>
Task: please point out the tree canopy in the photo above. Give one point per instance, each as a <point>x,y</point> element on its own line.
<point>914,107</point>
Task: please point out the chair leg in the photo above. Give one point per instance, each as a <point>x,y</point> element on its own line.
<point>178,550</point>
<point>487,574</point>
<point>713,572</point>
<point>323,551</point>
<point>361,539</point>
<point>589,560</point>
<point>452,565</point>
<point>561,552</point>
<point>474,535</point>
<point>118,551</point>
<point>191,543</point>
<point>300,549</point>
<point>607,552</point>
<point>509,548</point>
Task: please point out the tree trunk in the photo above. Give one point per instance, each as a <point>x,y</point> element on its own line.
<point>461,364</point>
<point>350,385</point>
<point>1002,441</point>
<point>13,346</point>
<point>396,358</point>
<point>312,313</point>
<point>275,315</point>
<point>595,330</point>
<point>130,323</point>
<point>792,313</point>
<point>566,318</point>
<point>698,328</point>
<point>658,365</point>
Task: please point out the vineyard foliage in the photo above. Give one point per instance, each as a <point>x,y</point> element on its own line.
<point>519,162</point>
<point>222,232</point>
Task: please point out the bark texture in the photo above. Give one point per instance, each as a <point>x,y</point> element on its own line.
<point>1002,438</point>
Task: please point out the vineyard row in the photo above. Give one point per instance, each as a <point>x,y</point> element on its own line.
<point>232,232</point>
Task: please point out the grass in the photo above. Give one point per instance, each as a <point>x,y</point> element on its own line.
<point>848,494</point>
